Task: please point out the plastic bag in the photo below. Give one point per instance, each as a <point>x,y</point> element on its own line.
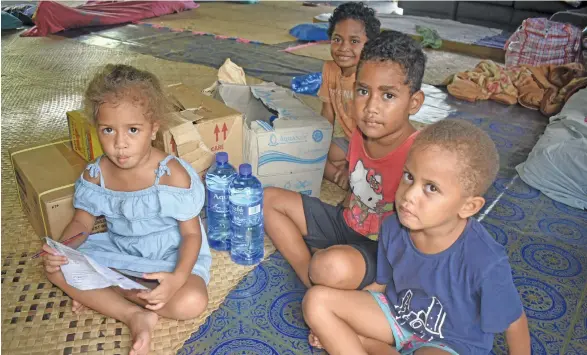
<point>229,73</point>
<point>307,84</point>
<point>539,41</point>
<point>310,32</point>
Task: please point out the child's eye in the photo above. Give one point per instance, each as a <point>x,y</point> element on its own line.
<point>408,177</point>
<point>388,96</point>
<point>362,92</point>
<point>354,41</point>
<point>431,188</point>
<point>107,130</point>
<point>133,130</point>
<point>336,40</point>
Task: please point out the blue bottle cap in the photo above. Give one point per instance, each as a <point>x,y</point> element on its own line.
<point>221,157</point>
<point>272,118</point>
<point>245,169</point>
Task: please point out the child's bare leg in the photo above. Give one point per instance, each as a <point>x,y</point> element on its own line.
<point>339,317</point>
<point>372,346</point>
<point>376,347</point>
<point>109,303</point>
<point>285,224</point>
<point>336,160</point>
<point>340,266</point>
<point>430,351</point>
<point>188,303</point>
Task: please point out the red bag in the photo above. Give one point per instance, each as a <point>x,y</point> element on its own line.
<point>540,41</point>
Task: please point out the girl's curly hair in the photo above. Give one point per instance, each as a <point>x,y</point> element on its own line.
<point>117,82</point>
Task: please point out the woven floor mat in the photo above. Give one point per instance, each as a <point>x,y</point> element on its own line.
<point>42,79</point>
<point>267,22</point>
<point>439,65</point>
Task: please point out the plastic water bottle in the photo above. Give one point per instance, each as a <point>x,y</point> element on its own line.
<point>218,179</point>
<point>246,212</point>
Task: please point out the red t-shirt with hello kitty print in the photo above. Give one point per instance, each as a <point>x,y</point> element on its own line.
<point>373,183</point>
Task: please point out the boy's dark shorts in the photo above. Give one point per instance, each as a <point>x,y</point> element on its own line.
<point>327,227</point>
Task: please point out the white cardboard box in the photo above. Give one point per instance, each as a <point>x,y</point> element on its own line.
<point>290,154</point>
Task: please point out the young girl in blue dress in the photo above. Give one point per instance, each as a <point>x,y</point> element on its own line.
<point>151,202</point>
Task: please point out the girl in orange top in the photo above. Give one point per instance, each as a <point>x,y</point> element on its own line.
<point>351,26</point>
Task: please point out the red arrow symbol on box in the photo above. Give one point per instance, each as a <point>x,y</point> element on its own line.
<point>224,130</point>
<point>216,131</point>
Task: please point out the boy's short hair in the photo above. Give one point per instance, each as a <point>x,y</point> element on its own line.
<point>356,11</point>
<point>476,152</point>
<point>399,48</point>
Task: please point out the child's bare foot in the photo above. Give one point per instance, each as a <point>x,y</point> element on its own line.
<point>141,325</point>
<point>314,341</point>
<point>77,307</point>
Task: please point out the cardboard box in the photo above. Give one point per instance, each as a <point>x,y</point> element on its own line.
<point>84,137</point>
<point>220,127</point>
<point>45,176</point>
<point>181,138</point>
<point>292,152</point>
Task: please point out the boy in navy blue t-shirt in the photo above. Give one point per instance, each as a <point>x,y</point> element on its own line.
<point>443,284</point>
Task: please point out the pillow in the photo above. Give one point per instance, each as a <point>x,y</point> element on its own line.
<point>310,32</point>
<point>10,22</point>
<point>556,165</point>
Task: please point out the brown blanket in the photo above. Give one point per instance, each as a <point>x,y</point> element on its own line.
<point>545,88</point>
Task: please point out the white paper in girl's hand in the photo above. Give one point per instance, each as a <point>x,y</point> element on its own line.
<point>83,273</point>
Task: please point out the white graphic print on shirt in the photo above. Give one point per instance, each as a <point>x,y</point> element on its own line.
<point>427,324</point>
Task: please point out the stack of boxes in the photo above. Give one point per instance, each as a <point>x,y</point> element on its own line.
<point>46,173</point>
<point>288,152</point>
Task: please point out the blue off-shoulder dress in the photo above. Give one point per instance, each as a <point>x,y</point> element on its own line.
<point>143,226</point>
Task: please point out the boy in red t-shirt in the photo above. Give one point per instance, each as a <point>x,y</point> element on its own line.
<point>387,92</point>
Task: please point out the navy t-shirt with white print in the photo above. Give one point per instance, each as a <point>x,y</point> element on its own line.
<point>460,297</point>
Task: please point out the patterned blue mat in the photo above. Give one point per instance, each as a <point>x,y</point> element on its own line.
<point>546,242</point>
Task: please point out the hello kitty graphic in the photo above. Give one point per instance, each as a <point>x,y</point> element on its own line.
<point>367,188</point>
<point>366,205</point>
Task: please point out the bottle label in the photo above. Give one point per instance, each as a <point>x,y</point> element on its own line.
<point>218,202</point>
<point>246,214</point>
<point>254,210</point>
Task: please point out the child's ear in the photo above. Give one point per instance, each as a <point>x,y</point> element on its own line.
<point>416,101</point>
<point>471,206</point>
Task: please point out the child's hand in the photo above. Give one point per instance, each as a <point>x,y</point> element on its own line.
<point>169,284</point>
<point>52,261</point>
<point>341,177</point>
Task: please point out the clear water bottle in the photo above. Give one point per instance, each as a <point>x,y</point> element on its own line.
<point>218,179</point>
<point>246,212</point>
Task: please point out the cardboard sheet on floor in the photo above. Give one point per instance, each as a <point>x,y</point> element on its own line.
<point>266,22</point>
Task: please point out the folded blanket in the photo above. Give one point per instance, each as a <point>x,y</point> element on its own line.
<point>545,88</point>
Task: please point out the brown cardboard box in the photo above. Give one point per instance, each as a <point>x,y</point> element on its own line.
<point>45,176</point>
<point>181,138</point>
<point>220,126</point>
